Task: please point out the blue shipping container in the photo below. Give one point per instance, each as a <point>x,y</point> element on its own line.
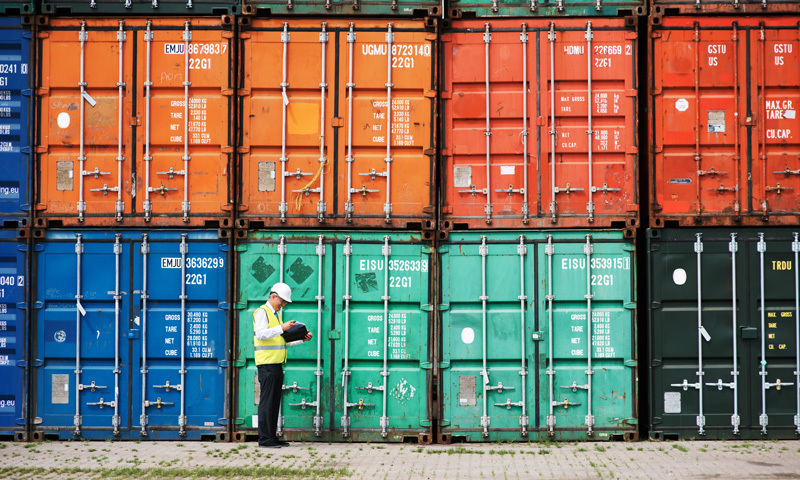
<point>13,329</point>
<point>15,122</point>
<point>131,335</point>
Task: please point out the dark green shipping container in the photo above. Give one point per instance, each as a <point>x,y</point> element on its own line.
<point>344,8</point>
<point>545,8</point>
<point>723,325</point>
<point>517,359</point>
<point>365,376</point>
<point>140,7</point>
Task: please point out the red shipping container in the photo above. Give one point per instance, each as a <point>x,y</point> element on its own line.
<point>337,123</point>
<point>540,124</point>
<point>725,130</point>
<point>135,122</point>
<point>737,7</point>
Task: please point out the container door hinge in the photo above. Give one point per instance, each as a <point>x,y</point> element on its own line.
<point>629,248</point>
<point>631,93</point>
<point>337,122</point>
<point>22,363</point>
<point>222,421</point>
<point>224,248</point>
<point>134,122</point>
<point>334,335</point>
<point>444,249</point>
<point>224,363</point>
<point>430,94</point>
<point>425,365</point>
<point>631,363</point>
<point>749,333</point>
<point>444,422</point>
<point>238,363</point>
<point>133,334</point>
<point>38,305</point>
<point>537,336</point>
<point>22,421</point>
<point>655,362</point>
<point>655,305</point>
<point>629,305</point>
<point>238,421</point>
<point>656,421</point>
<point>443,307</point>
<point>426,308</point>
<point>425,423</point>
<point>239,306</point>
<point>445,364</point>
<point>22,305</point>
<point>227,149</point>
<point>240,248</point>
<point>224,305</point>
<point>427,250</point>
<point>226,92</point>
<point>655,34</point>
<point>631,421</point>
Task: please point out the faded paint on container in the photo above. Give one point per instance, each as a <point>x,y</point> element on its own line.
<point>342,8</point>
<point>539,124</point>
<point>724,122</point>
<point>149,158</point>
<point>13,335</point>
<point>118,316</point>
<point>723,333</point>
<point>140,7</point>
<point>546,8</point>
<point>737,7</point>
<point>16,116</point>
<point>365,376</point>
<point>538,336</point>
<point>333,132</point>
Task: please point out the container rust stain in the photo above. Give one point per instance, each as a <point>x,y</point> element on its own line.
<point>135,123</point>
<point>539,124</point>
<point>724,122</point>
<point>337,124</point>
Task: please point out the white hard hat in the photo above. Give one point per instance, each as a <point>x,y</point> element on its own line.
<point>283,291</point>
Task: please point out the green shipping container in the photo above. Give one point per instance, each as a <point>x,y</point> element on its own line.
<point>344,8</point>
<point>365,376</point>
<point>517,363</point>
<point>545,8</point>
<point>723,335</point>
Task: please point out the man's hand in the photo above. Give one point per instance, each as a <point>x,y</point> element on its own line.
<point>308,337</point>
<point>288,325</point>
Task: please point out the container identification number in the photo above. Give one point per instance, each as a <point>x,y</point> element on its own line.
<point>395,265</point>
<point>12,68</point>
<point>597,263</point>
<point>11,280</point>
<point>193,262</point>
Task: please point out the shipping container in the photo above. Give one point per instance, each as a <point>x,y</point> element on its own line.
<point>365,296</point>
<point>344,8</point>
<point>131,335</point>
<point>336,124</point>
<point>14,335</point>
<point>538,336</point>
<point>16,116</point>
<point>723,333</point>
<point>16,8</point>
<point>545,8</point>
<point>135,122</point>
<point>151,8</point>
<point>725,132</point>
<point>734,7</point>
<point>539,124</point>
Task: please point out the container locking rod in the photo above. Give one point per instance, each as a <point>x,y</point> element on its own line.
<point>551,372</point>
<point>387,207</point>
<point>78,312</point>
<point>484,252</point>
<point>187,37</point>
<point>796,250</point>
<point>523,37</point>
<point>701,419</point>
<point>348,253</point>
<point>348,207</point>
<point>284,207</point>
<point>318,373</point>
<point>148,205</point>
<point>522,250</point>
<point>763,419</point>
<point>553,189</point>
<point>84,37</point>
<point>144,296</point>
<point>182,417</point>
<point>733,247</point>
<point>487,39</point>
<point>588,250</point>
<point>387,252</point>
<point>117,297</point>
<point>589,132</point>
<point>282,255</point>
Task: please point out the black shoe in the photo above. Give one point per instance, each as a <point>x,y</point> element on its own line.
<point>282,444</point>
<point>269,445</point>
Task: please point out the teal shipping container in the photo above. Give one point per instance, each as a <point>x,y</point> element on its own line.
<point>545,8</point>
<point>139,7</point>
<point>365,296</point>
<point>538,336</point>
<point>723,323</point>
<point>344,8</point>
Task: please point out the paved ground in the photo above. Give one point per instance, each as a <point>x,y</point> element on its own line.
<point>208,460</point>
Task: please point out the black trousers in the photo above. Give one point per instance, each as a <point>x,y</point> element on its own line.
<point>270,377</point>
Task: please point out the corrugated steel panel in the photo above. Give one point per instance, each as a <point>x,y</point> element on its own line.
<point>723,333</point>
<point>140,7</point>
<point>538,336</point>
<point>546,8</point>
<point>149,159</point>
<point>736,7</point>
<point>119,316</point>
<point>13,335</point>
<point>16,172</point>
<point>344,283</point>
<point>539,124</point>
<point>344,8</point>
<point>725,130</point>
<point>315,117</point>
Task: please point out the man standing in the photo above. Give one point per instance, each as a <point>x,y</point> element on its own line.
<point>270,353</point>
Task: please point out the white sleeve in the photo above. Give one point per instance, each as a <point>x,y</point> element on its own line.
<point>296,342</point>
<point>262,331</point>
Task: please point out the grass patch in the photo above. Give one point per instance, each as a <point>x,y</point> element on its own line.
<point>600,448</point>
<point>680,447</point>
<point>456,451</point>
<point>176,473</point>
<point>502,452</point>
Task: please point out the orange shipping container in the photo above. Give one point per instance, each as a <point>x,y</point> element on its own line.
<point>337,123</point>
<point>724,123</point>
<point>539,124</point>
<point>135,122</point>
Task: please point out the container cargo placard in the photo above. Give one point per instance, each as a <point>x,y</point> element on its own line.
<point>723,150</point>
<point>337,124</point>
<point>538,336</point>
<point>147,143</point>
<point>15,123</point>
<point>723,333</point>
<point>539,124</point>
<point>13,326</point>
<point>363,296</point>
<point>157,297</point>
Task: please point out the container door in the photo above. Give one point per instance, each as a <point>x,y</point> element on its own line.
<point>13,336</point>
<point>777,100</point>
<point>84,105</point>
<point>182,315</point>
<point>483,388</point>
<point>382,363</point>
<point>82,337</point>
<point>304,264</point>
<point>185,115</point>
<point>15,118</point>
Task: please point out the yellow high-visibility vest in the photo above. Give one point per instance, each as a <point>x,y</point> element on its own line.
<point>274,349</point>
